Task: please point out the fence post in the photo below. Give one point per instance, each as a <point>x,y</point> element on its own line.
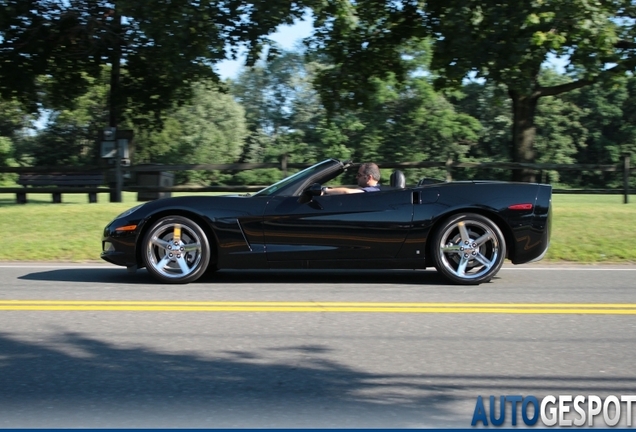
<point>449,174</point>
<point>626,177</point>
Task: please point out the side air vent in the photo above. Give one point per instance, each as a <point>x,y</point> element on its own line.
<point>426,196</point>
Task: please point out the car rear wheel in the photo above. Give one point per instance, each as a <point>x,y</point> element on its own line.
<point>469,249</point>
<point>176,250</point>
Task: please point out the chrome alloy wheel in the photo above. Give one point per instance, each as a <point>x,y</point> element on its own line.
<point>176,250</point>
<point>470,249</point>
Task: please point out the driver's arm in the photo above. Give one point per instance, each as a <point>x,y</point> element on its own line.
<point>339,190</point>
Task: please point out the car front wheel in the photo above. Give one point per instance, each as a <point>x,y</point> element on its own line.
<point>176,250</point>
<point>469,249</point>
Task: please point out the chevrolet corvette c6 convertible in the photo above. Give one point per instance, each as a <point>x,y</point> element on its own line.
<point>465,229</point>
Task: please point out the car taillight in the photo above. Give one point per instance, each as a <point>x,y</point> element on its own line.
<point>520,207</point>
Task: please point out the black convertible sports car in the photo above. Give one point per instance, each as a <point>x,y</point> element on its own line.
<point>464,229</point>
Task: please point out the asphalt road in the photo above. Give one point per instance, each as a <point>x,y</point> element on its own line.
<point>92,346</point>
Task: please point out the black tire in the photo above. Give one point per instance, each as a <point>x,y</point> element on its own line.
<point>176,250</point>
<point>468,249</point>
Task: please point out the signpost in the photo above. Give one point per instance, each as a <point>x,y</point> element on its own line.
<point>115,148</point>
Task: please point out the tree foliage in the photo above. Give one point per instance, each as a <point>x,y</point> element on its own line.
<point>505,42</point>
<point>69,136</point>
<point>14,124</point>
<point>209,129</point>
<point>400,123</point>
<point>282,113</point>
<point>381,80</point>
<point>162,46</point>
<point>611,125</point>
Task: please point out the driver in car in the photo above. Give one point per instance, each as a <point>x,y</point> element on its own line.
<point>368,178</point>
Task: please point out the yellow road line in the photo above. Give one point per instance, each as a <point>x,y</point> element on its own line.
<point>247,306</point>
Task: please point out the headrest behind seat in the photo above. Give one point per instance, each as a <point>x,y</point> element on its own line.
<point>398,180</point>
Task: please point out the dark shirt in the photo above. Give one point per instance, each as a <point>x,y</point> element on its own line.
<point>371,188</point>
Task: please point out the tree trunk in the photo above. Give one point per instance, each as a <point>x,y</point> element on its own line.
<point>115,101</point>
<point>116,104</point>
<point>523,134</point>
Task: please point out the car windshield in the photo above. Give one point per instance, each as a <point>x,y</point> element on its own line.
<point>307,172</point>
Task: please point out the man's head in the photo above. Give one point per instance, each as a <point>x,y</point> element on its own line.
<point>368,174</point>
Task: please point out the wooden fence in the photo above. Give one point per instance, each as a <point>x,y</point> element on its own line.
<point>622,169</point>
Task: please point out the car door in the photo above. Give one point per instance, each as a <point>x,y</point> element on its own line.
<point>352,226</point>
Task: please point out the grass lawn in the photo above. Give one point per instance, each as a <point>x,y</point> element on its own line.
<point>585,228</point>
<point>593,228</point>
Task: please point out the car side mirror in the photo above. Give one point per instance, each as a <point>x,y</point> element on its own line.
<point>309,193</point>
<point>315,190</point>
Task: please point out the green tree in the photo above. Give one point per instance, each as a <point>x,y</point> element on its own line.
<point>282,112</point>
<point>611,123</point>
<point>6,152</point>
<point>15,125</point>
<point>210,129</point>
<point>70,136</point>
<point>405,121</point>
<point>509,42</point>
<point>505,42</point>
<point>489,104</point>
<point>13,119</point>
<point>400,123</point>
<point>412,123</point>
<point>162,47</point>
<point>560,132</point>
<point>560,135</point>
